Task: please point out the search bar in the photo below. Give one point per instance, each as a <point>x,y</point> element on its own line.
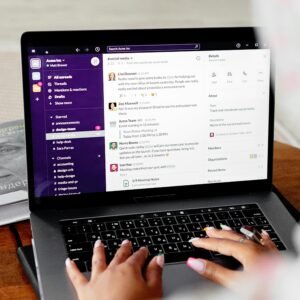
<point>153,48</point>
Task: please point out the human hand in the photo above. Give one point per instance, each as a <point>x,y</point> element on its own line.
<point>122,279</point>
<point>229,243</point>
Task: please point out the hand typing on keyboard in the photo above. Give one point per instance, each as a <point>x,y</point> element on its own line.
<point>230,243</point>
<point>124,278</point>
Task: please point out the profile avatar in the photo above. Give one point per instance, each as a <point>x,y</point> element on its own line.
<point>114,168</point>
<point>111,76</point>
<point>113,146</point>
<point>112,106</point>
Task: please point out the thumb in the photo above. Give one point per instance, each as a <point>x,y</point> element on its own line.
<point>213,271</point>
<point>154,272</point>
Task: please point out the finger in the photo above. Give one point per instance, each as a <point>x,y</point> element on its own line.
<point>227,247</point>
<point>98,260</point>
<point>122,254</point>
<point>213,271</point>
<point>224,234</point>
<point>77,278</point>
<point>138,258</point>
<point>154,272</point>
<point>267,242</point>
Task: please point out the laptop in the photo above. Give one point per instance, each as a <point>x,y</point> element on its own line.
<point>148,135</point>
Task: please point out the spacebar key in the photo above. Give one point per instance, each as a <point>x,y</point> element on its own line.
<point>183,256</point>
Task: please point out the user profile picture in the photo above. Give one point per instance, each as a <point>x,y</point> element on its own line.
<point>113,167</point>
<point>95,61</point>
<point>111,76</point>
<point>113,146</point>
<point>112,106</point>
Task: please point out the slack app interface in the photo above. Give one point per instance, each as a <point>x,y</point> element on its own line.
<point>126,119</point>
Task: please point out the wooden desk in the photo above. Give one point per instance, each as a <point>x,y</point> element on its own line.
<point>14,284</point>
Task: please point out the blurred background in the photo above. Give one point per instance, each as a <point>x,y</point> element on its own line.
<point>17,16</point>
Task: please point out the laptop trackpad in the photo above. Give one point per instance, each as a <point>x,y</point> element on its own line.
<point>178,278</point>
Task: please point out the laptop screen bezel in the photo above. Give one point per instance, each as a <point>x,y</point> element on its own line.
<point>136,36</point>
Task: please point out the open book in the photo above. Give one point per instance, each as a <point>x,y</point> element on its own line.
<point>13,174</point>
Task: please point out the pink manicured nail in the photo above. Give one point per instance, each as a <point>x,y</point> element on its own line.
<point>160,260</point>
<point>265,233</point>
<point>193,240</point>
<point>209,228</point>
<point>196,264</point>
<point>68,262</point>
<point>97,244</point>
<point>225,227</point>
<point>125,242</point>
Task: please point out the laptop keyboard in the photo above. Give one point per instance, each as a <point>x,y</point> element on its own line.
<point>165,232</point>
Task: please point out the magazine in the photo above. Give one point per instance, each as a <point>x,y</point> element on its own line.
<point>13,173</point>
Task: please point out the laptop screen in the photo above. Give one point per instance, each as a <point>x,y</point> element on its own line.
<point>126,117</point>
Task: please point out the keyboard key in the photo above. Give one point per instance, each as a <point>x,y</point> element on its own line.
<point>83,256</point>
<point>108,235</point>
<point>81,266</point>
<point>206,224</point>
<point>159,239</point>
<point>217,224</point>
<point>123,234</point>
<point>234,223</point>
<point>80,247</point>
<point>113,226</point>
<point>210,217</point>
<point>187,236</point>
<point>223,215</point>
<point>92,237</point>
<point>183,219</point>
<point>155,222</point>
<point>248,221</point>
<point>69,229</point>
<point>261,220</point>
<point>236,214</point>
<point>185,246</point>
<point>144,241</point>
<point>166,229</point>
<point>169,220</point>
<point>180,228</point>
<point>194,227</point>
<point>133,242</point>
<point>170,248</point>
<point>152,231</point>
<point>173,238</point>
<point>84,228</point>
<point>75,238</point>
<point>141,223</point>
<point>200,234</point>
<point>114,244</point>
<point>98,227</point>
<point>137,232</point>
<point>250,213</point>
<point>155,249</point>
<point>127,224</point>
<point>196,218</point>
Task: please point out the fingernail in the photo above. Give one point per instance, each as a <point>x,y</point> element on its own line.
<point>209,228</point>
<point>97,244</point>
<point>125,242</point>
<point>145,249</point>
<point>196,264</point>
<point>265,233</point>
<point>68,262</point>
<point>225,227</point>
<point>194,239</point>
<point>160,260</point>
